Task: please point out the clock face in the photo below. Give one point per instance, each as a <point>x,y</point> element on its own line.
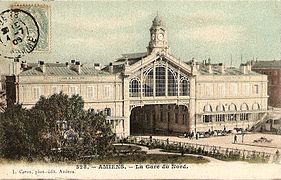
<point>160,37</point>
<point>153,36</point>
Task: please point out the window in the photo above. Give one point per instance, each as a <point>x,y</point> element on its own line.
<point>207,108</point>
<point>256,106</point>
<point>148,84</point>
<point>256,89</point>
<point>161,116</point>
<point>55,90</point>
<point>244,107</point>
<point>107,111</point>
<point>107,91</point>
<point>207,118</point>
<point>73,90</point>
<point>232,107</point>
<point>134,88</point>
<point>233,89</point>
<point>36,93</point>
<point>244,116</point>
<point>183,118</point>
<point>172,85</point>
<point>220,117</point>
<point>246,89</point>
<point>176,118</point>
<point>231,117</point>
<point>221,90</point>
<point>90,92</point>
<point>184,88</point>
<point>160,81</point>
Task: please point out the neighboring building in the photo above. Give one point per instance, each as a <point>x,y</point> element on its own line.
<point>273,70</point>
<point>151,92</point>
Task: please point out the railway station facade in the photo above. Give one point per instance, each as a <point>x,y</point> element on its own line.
<point>151,92</point>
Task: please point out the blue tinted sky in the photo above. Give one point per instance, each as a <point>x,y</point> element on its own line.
<point>101,31</point>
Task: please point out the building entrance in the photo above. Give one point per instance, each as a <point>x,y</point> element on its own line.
<point>163,119</point>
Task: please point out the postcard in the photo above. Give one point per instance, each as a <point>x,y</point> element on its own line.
<point>140,89</point>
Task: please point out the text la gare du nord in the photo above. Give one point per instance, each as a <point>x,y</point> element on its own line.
<point>143,166</point>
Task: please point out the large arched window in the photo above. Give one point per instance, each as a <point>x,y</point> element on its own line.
<point>160,81</point>
<point>207,108</point>
<point>134,88</point>
<point>172,85</point>
<point>256,106</point>
<point>220,108</point>
<point>207,118</point>
<point>148,84</point>
<point>232,107</point>
<point>184,87</point>
<point>244,107</point>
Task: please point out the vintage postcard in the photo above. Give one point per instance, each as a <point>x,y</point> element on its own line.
<point>140,89</point>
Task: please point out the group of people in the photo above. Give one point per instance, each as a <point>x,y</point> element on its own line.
<point>188,134</point>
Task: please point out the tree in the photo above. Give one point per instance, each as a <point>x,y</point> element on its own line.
<point>34,133</point>
<point>59,107</point>
<point>97,134</point>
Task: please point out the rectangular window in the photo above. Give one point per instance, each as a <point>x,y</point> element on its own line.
<point>246,89</point>
<point>183,119</point>
<point>233,89</point>
<point>90,92</point>
<point>55,90</point>
<point>36,93</point>
<point>221,90</point>
<point>73,90</point>
<point>107,91</point>
<point>176,118</point>
<point>208,89</point>
<point>256,89</point>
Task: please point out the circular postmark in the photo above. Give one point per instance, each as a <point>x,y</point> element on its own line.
<point>19,33</point>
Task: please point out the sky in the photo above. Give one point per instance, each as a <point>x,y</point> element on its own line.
<point>100,31</point>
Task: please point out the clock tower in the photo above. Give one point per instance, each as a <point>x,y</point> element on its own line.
<point>158,36</point>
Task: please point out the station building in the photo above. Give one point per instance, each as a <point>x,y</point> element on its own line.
<point>151,92</point>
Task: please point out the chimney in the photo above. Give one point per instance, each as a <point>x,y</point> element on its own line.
<point>126,61</point>
<point>72,61</point>
<point>97,66</point>
<point>78,67</point>
<point>221,68</point>
<point>249,67</point>
<point>42,66</point>
<point>209,67</point>
<point>193,67</point>
<point>16,67</point>
<point>243,68</point>
<point>110,67</point>
<point>67,64</point>
<point>209,60</point>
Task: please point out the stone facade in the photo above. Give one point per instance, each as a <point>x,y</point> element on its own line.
<point>151,92</point>
<point>273,70</point>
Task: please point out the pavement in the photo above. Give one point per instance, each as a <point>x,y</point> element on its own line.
<point>227,142</point>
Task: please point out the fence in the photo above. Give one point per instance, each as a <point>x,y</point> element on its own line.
<point>213,151</point>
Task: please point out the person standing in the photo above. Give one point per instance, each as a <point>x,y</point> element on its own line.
<point>235,139</point>
<point>243,137</point>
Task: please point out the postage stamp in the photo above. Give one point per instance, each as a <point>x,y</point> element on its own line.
<point>19,33</point>
<point>24,29</point>
<point>41,13</point>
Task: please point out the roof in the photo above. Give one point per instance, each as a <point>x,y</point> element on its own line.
<point>131,58</point>
<point>267,64</point>
<point>61,71</point>
<point>203,69</point>
<point>135,55</point>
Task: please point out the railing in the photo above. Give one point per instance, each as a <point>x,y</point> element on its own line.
<point>208,150</point>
